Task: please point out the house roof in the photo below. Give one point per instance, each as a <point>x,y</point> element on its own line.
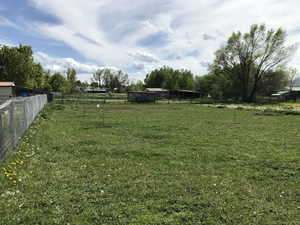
<point>7,84</point>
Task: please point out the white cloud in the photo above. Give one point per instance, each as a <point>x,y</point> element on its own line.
<point>5,42</point>
<point>6,22</point>
<point>85,77</point>
<point>84,71</point>
<point>147,34</point>
<point>62,64</point>
<point>143,57</point>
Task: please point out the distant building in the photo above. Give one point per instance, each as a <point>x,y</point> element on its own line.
<point>184,94</point>
<point>96,90</point>
<point>159,92</point>
<point>286,95</point>
<point>141,96</point>
<point>57,94</point>
<point>7,89</point>
<point>156,90</point>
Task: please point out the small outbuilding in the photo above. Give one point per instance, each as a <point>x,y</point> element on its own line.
<point>288,94</point>
<point>160,93</point>
<point>96,90</point>
<point>141,96</point>
<point>184,94</point>
<point>7,89</point>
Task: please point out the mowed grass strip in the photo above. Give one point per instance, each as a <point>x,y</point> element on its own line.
<point>153,164</point>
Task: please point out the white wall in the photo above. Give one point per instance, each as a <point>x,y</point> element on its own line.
<point>6,92</point>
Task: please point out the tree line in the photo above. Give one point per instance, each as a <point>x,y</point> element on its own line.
<point>248,65</point>
<point>17,65</point>
<point>110,79</point>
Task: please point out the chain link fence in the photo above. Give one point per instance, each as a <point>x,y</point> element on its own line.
<point>16,115</point>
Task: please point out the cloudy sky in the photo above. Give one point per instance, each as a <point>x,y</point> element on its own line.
<point>137,35</point>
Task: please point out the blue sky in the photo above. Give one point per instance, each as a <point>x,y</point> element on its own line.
<point>137,36</point>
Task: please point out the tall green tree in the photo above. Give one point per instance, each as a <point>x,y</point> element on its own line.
<point>216,86</point>
<point>100,76</point>
<point>71,79</point>
<point>273,81</point>
<point>248,58</point>
<point>58,83</point>
<point>46,81</point>
<point>292,75</point>
<point>36,76</point>
<point>17,65</point>
<point>115,80</point>
<point>185,80</point>
<point>169,78</point>
<point>136,86</point>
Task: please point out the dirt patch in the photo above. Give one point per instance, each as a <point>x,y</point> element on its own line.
<point>130,108</point>
<point>266,114</point>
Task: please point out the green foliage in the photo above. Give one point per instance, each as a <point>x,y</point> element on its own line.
<point>71,80</point>
<point>292,74</point>
<point>58,83</point>
<point>168,78</point>
<point>248,59</point>
<point>94,84</point>
<point>17,65</point>
<point>110,79</point>
<point>36,78</point>
<point>273,81</point>
<point>216,86</point>
<point>116,81</point>
<point>220,87</point>
<point>154,164</point>
<point>136,86</point>
<point>98,77</point>
<point>46,81</point>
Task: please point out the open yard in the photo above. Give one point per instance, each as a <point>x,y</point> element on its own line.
<point>153,164</point>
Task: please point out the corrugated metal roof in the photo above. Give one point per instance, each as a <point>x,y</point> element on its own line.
<point>280,93</point>
<point>295,88</point>
<point>155,89</point>
<point>7,84</point>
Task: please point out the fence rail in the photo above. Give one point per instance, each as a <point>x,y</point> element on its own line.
<point>16,115</point>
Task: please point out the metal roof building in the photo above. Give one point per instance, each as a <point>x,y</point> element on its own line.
<point>7,89</point>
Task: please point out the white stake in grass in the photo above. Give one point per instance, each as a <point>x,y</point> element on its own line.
<point>101,110</point>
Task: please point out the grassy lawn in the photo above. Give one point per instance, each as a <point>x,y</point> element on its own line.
<point>153,164</point>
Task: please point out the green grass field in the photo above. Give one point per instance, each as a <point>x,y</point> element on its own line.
<point>153,164</point>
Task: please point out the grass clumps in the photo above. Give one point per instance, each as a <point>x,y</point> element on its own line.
<point>154,164</point>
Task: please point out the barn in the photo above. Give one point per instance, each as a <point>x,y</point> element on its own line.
<point>159,92</point>
<point>184,94</point>
<point>288,94</point>
<point>141,96</point>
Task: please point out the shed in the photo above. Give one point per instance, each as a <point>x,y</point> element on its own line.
<point>156,90</point>
<point>96,90</point>
<point>141,96</point>
<point>288,94</point>
<point>184,94</point>
<point>7,89</point>
<point>159,92</point>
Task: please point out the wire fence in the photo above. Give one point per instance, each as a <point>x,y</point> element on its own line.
<point>16,115</point>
